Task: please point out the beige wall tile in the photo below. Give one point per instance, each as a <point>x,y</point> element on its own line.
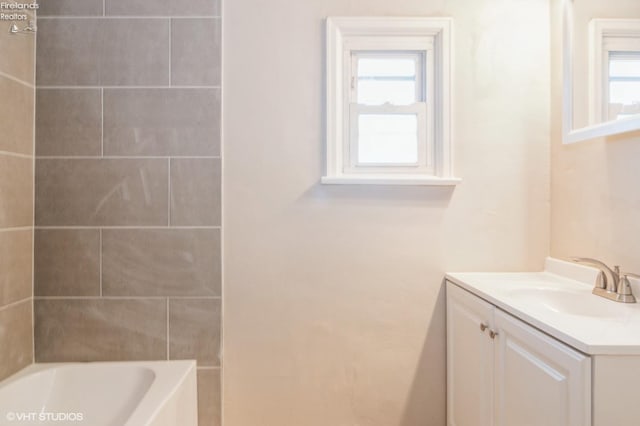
<point>15,338</point>
<point>195,192</point>
<point>17,54</point>
<point>69,122</point>
<point>194,63</point>
<point>163,7</point>
<point>100,330</point>
<point>67,262</point>
<point>162,122</point>
<point>70,7</point>
<point>209,397</point>
<point>194,330</point>
<point>15,266</point>
<point>129,192</point>
<point>16,191</point>
<point>105,52</point>
<point>161,262</point>
<point>16,117</point>
<point>101,192</point>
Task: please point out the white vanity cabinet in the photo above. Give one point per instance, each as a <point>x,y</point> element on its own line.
<point>504,372</point>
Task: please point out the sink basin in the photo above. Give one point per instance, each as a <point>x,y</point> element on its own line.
<point>569,302</point>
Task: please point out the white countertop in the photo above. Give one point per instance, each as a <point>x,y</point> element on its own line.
<point>615,335</point>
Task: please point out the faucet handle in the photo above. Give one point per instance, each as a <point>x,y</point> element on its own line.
<point>601,281</point>
<point>630,274</point>
<point>624,293</point>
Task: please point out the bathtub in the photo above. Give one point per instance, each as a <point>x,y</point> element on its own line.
<point>154,393</point>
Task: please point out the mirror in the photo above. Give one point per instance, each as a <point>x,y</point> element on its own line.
<point>601,68</point>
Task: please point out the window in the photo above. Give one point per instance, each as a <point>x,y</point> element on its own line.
<point>624,84</point>
<point>388,119</point>
<point>615,69</point>
<point>387,112</point>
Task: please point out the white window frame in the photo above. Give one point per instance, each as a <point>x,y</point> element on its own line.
<point>606,36</point>
<point>357,35</point>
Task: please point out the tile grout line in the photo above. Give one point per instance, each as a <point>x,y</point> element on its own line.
<point>63,87</point>
<point>16,155</point>
<point>100,260</point>
<point>118,157</point>
<point>168,348</point>
<point>114,227</point>
<point>170,52</point>
<point>125,297</point>
<point>33,199</point>
<point>218,17</point>
<point>17,228</point>
<point>168,192</point>
<point>222,370</point>
<point>102,122</point>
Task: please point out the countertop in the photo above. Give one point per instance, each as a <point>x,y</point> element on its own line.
<point>617,334</point>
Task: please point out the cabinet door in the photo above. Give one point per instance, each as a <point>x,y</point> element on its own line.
<point>469,359</point>
<point>539,381</point>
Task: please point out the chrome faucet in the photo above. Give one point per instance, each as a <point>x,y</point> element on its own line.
<point>611,284</point>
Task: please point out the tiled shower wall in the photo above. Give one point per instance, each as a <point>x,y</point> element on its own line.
<point>128,170</point>
<point>16,199</point>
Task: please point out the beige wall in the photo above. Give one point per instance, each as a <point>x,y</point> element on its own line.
<point>17,70</point>
<point>128,185</point>
<point>334,305</point>
<point>595,184</point>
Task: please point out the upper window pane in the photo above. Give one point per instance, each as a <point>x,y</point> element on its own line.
<point>621,66</point>
<point>374,92</point>
<point>387,79</point>
<point>387,67</point>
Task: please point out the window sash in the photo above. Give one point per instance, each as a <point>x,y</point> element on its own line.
<point>425,142</point>
<point>628,48</point>
<point>424,110</point>
<point>420,64</point>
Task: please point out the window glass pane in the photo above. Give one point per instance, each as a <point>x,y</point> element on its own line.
<point>376,92</point>
<point>624,98</point>
<point>625,67</point>
<point>387,80</point>
<point>386,67</point>
<point>624,84</point>
<point>387,139</point>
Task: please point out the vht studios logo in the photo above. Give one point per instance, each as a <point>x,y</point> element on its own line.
<point>44,416</point>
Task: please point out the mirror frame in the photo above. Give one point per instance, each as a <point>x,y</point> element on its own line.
<point>569,134</point>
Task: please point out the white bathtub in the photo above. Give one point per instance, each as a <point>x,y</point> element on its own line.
<point>154,393</point>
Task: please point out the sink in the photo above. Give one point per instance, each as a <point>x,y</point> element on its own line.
<point>559,302</point>
<point>569,302</point>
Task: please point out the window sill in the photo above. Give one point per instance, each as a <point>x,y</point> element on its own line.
<point>389,180</point>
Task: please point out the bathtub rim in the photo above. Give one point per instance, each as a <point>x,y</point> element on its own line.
<point>170,375</point>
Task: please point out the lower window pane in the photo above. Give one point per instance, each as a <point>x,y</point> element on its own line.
<point>624,98</point>
<point>387,139</point>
